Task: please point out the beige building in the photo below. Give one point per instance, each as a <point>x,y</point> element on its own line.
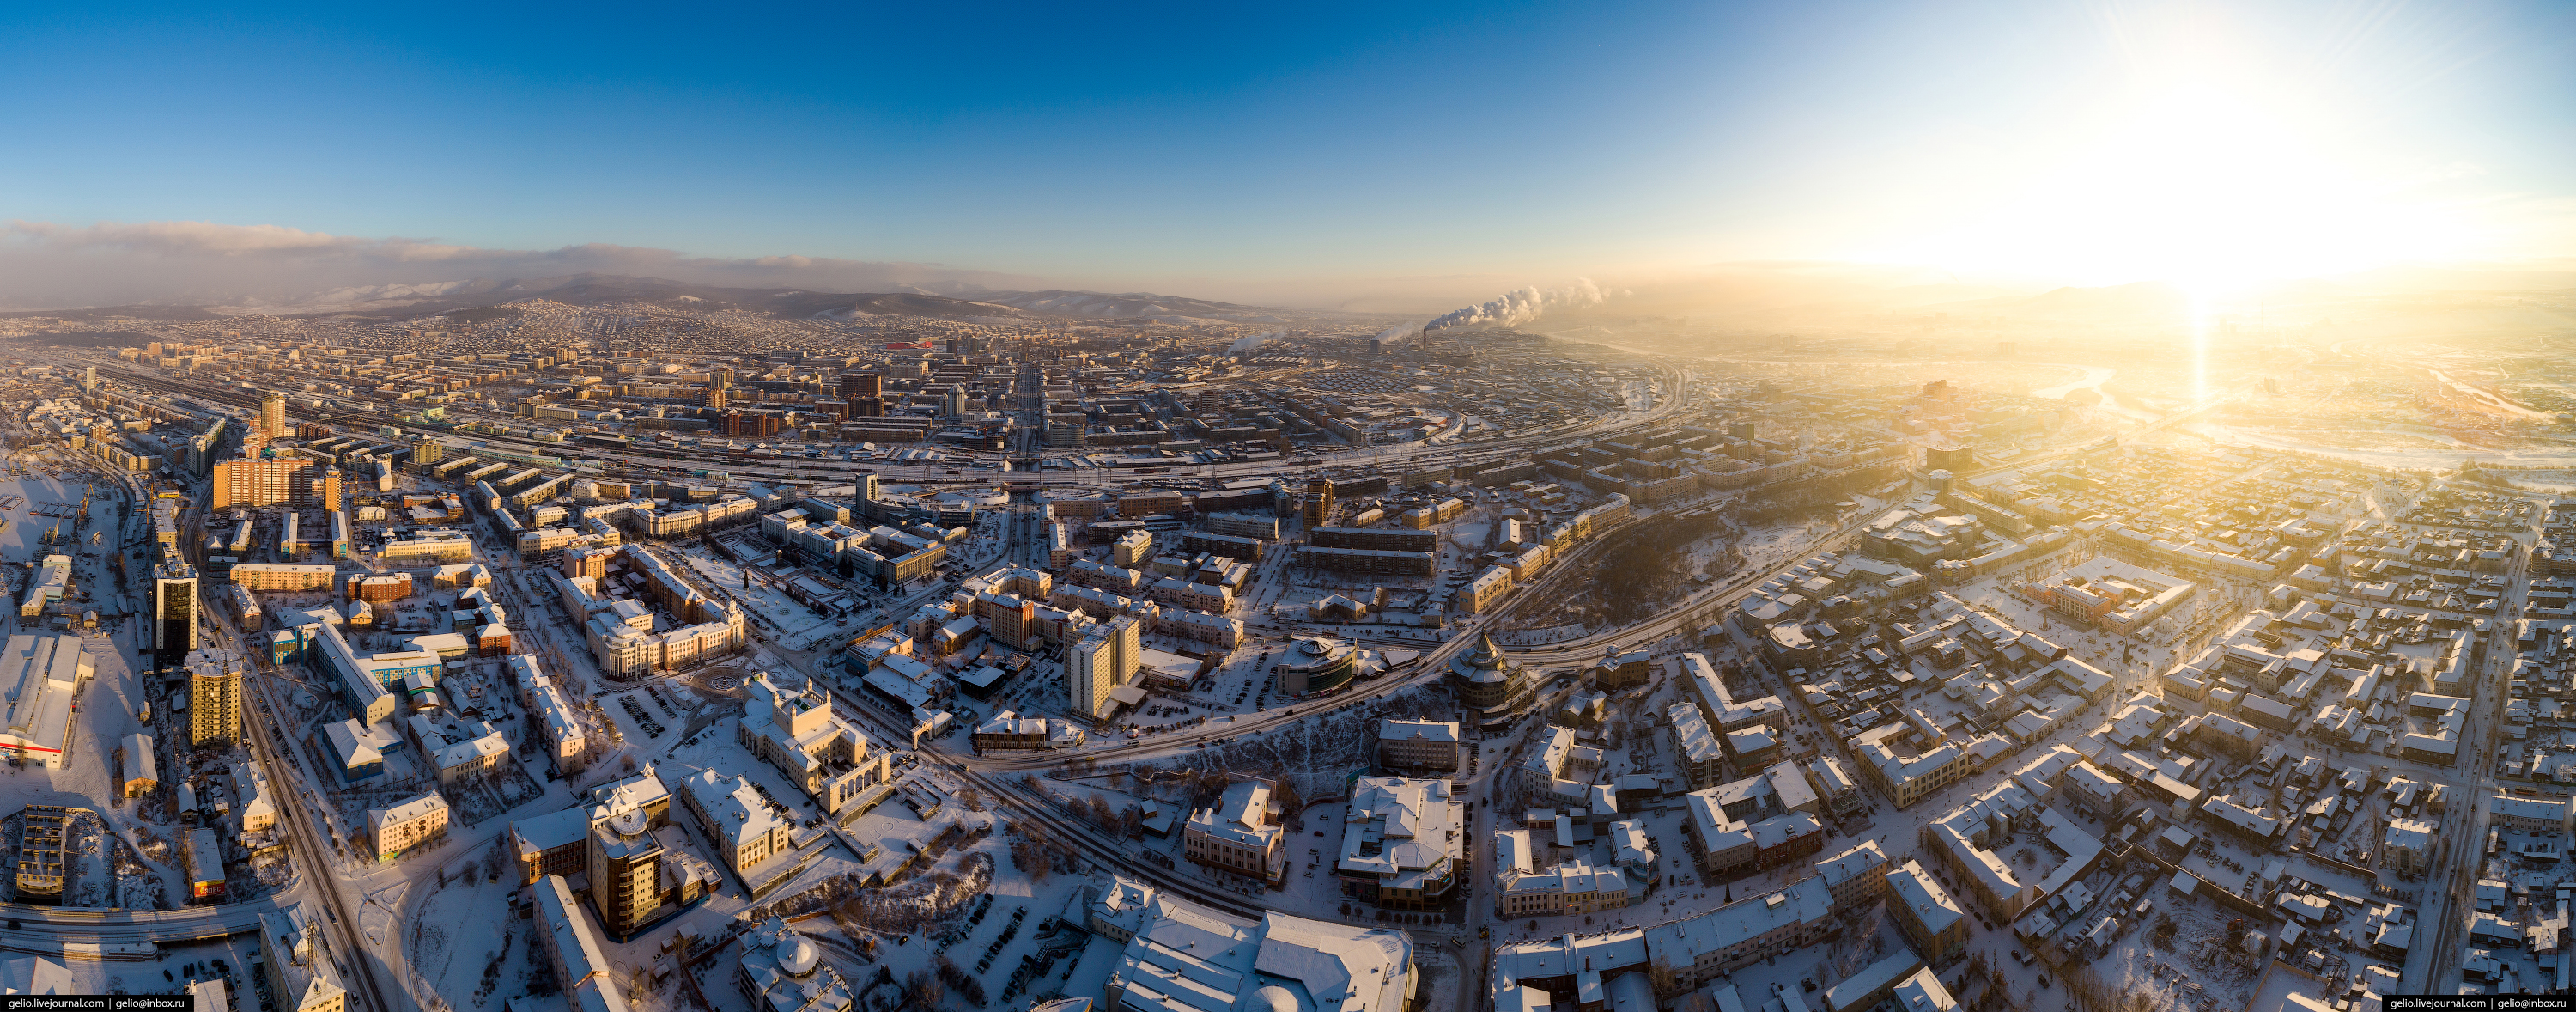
<point>789,724</point>
<point>214,699</point>
<point>1102,660</point>
<point>1240,833</point>
<point>1574,887</point>
<point>142,768</point>
<point>243,481</point>
<point>1910,778</point>
<point>392,831</point>
<point>734,815</point>
<point>1420,746</point>
<point>1487,589</point>
<point>1132,550</point>
<point>281,576</point>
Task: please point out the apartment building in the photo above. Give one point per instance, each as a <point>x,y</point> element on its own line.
<point>395,830</point>
<point>1420,745</point>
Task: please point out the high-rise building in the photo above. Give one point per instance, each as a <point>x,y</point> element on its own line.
<point>1090,671</point>
<point>174,611</point>
<point>957,401</point>
<point>861,386</point>
<point>272,416</point>
<point>245,481</point>
<point>716,397</point>
<point>331,489</point>
<point>214,698</point>
<point>1104,658</point>
<point>89,378</point>
<point>1127,635</point>
<point>625,864</point>
<point>428,450</point>
<point>1319,502</point>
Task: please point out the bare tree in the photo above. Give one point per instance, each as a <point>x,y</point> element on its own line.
<point>2086,991</point>
<point>1660,974</point>
<point>923,989</point>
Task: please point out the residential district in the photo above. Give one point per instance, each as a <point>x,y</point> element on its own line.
<point>626,655</point>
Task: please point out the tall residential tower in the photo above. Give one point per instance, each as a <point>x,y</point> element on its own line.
<point>174,611</point>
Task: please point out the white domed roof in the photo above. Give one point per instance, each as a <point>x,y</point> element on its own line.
<point>1273,998</point>
<point>798,955</point>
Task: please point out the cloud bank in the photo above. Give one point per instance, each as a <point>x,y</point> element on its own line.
<point>49,265</point>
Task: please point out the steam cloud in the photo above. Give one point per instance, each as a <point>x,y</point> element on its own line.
<point>1253,341</point>
<point>1519,307</point>
<point>1399,334</point>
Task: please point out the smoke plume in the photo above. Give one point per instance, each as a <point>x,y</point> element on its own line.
<point>1519,307</point>
<point>1395,335</point>
<point>1254,341</point>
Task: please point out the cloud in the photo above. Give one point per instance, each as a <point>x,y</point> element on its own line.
<point>205,238</point>
<point>51,265</point>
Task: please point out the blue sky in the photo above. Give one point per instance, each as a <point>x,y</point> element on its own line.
<point>1309,145</point>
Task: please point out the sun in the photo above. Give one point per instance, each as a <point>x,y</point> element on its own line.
<point>2204,179</point>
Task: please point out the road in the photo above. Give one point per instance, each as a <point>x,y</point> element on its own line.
<point>48,931</point>
<point>2448,899</point>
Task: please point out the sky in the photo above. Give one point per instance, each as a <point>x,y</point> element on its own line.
<point>1295,154</point>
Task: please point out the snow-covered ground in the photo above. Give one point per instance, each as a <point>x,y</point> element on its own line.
<point>792,622</point>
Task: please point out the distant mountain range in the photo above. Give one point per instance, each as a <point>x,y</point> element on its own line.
<point>1130,306</point>
<point>416,301</point>
<point>117,312</point>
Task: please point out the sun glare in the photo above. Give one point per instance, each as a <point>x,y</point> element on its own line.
<point>2202,179</point>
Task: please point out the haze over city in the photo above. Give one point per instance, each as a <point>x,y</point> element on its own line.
<point>1980,507</point>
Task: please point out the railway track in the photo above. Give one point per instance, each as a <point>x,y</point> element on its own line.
<point>1108,853</point>
<point>1393,457</point>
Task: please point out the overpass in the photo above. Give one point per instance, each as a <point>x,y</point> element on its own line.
<point>92,933</point>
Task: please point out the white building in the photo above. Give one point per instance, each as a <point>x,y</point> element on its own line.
<point>1183,957</point>
<point>44,675</point>
<point>1403,841</point>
